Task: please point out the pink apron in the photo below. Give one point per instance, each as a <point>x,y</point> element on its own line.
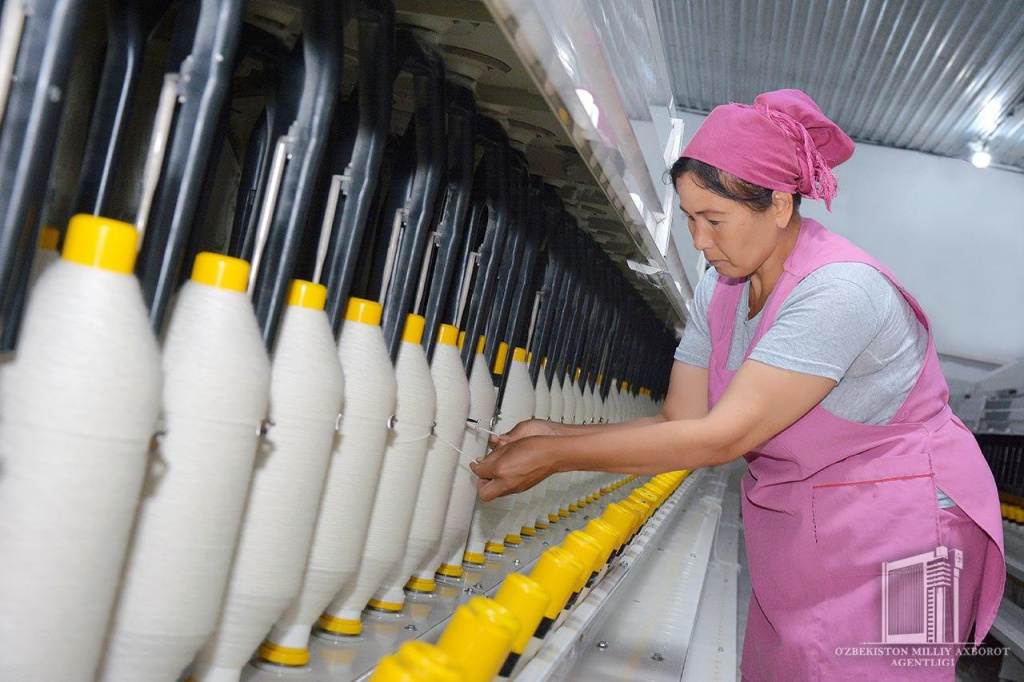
<point>827,501</point>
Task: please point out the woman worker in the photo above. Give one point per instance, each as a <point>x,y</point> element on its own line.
<point>805,356</point>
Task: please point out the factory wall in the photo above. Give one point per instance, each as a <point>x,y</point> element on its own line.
<point>952,233</point>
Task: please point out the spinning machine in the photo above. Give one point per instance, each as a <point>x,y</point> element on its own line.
<point>311,259</point>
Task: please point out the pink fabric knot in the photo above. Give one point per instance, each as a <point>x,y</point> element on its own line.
<point>782,142</point>
<point>817,181</point>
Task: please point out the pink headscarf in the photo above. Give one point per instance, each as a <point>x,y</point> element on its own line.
<point>782,142</point>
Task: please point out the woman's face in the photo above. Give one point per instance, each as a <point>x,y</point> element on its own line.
<point>735,239</point>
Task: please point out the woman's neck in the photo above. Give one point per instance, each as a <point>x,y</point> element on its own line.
<point>764,279</point>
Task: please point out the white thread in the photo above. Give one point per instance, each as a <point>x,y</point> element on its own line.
<point>79,404</point>
<point>305,398</point>
<point>391,516</point>
<point>482,399</point>
<point>216,379</point>
<point>352,475</point>
<point>442,458</point>
<point>494,518</point>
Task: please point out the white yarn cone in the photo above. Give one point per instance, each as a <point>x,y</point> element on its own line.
<point>588,404</point>
<point>521,518</point>
<point>568,401</point>
<point>398,487</point>
<point>578,415</point>
<point>80,403</point>
<point>595,393</point>
<point>556,486</point>
<point>542,398</point>
<point>216,379</point>
<point>494,518</point>
<point>352,475</point>
<point>463,500</point>
<point>538,515</point>
<point>556,403</point>
<point>442,458</point>
<point>305,398</point>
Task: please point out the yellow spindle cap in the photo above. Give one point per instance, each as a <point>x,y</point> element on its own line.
<point>220,271</point>
<point>479,637</point>
<point>529,356</point>
<point>606,534</point>
<point>481,342</point>
<point>448,335</point>
<point>519,355</point>
<point>101,243</point>
<point>417,661</point>
<point>283,655</point>
<point>49,237</point>
<point>462,340</point>
<point>307,294</point>
<point>414,326</point>
<point>499,360</point>
<point>647,495</point>
<point>576,377</point>
<point>362,310</point>
<point>588,548</point>
<point>558,572</point>
<point>619,518</point>
<point>528,600</point>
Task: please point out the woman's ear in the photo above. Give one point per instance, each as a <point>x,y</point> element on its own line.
<point>782,208</point>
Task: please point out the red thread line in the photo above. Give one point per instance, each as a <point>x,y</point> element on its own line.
<point>876,480</point>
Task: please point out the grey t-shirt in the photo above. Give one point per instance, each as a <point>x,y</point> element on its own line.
<point>844,321</point>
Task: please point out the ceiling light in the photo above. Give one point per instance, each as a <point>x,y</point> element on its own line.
<point>990,113</point>
<point>981,159</point>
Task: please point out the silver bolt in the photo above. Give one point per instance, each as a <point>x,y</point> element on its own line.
<point>478,586</point>
<point>602,645</point>
<point>410,627</point>
<point>469,590</point>
<point>657,657</point>
<point>516,562</point>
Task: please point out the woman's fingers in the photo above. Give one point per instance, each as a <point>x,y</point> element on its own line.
<point>511,468</point>
<point>486,468</point>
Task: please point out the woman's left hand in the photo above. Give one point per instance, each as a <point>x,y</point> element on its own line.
<point>514,467</point>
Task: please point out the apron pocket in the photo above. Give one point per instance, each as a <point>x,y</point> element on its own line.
<point>860,524</point>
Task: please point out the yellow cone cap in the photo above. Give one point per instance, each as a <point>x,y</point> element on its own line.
<point>519,355</point>
<point>417,661</point>
<point>528,600</point>
<point>414,326</point>
<point>307,294</point>
<point>605,533</point>
<point>561,574</point>
<point>588,548</point>
<point>499,360</point>
<point>101,243</point>
<point>448,335</point>
<point>362,310</point>
<point>49,237</point>
<point>479,637</point>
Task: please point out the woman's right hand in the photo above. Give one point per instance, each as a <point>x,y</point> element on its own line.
<point>532,427</point>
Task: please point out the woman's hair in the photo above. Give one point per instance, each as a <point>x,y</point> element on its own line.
<point>726,185</point>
